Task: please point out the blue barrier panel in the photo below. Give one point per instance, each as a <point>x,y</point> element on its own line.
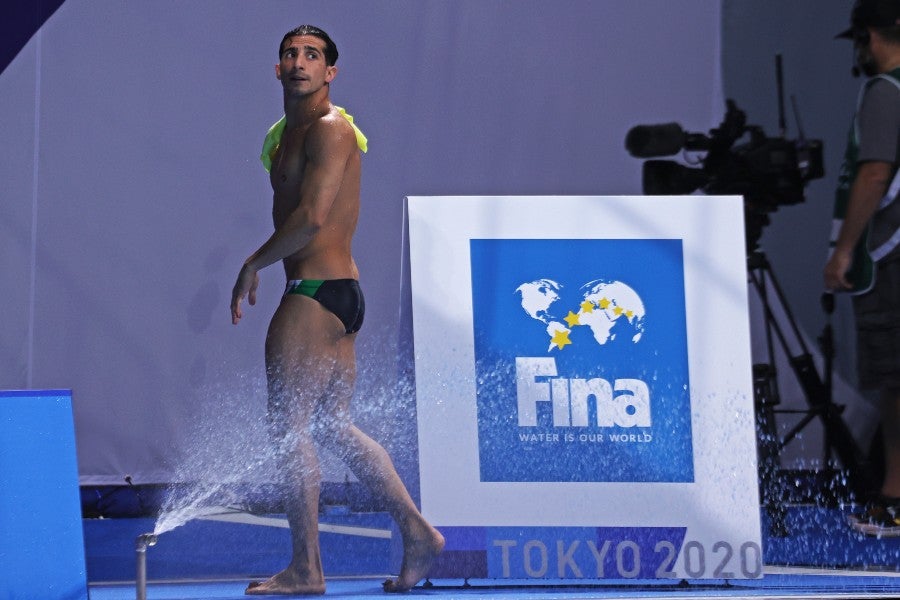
<point>41,536</point>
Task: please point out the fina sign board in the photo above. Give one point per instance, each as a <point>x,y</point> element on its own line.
<point>583,386</point>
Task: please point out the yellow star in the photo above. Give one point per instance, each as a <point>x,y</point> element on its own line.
<point>629,314</point>
<point>560,338</point>
<point>587,306</point>
<point>604,303</point>
<point>618,311</point>
<point>572,319</point>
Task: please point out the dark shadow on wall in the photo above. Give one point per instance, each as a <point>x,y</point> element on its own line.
<point>18,22</point>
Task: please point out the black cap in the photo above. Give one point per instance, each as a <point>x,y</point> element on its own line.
<point>872,13</point>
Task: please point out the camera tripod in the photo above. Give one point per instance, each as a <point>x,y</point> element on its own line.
<point>838,440</point>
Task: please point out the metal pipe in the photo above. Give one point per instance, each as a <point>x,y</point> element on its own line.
<point>143,541</point>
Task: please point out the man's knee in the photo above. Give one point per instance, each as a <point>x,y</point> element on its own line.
<point>333,434</point>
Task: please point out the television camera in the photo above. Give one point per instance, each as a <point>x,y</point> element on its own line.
<point>767,171</point>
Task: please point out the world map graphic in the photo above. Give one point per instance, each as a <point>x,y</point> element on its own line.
<point>612,310</point>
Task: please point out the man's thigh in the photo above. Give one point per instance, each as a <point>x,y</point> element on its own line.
<point>303,358</point>
<point>877,316</point>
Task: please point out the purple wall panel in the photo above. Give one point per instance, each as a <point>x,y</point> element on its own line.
<point>148,194</point>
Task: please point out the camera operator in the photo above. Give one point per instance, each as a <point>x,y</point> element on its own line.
<point>865,258</point>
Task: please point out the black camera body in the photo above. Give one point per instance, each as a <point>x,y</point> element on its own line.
<point>767,171</point>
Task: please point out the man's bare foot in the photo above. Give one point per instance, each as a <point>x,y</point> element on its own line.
<point>285,583</point>
<point>418,554</point>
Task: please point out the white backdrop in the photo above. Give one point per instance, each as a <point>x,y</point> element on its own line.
<point>132,190</point>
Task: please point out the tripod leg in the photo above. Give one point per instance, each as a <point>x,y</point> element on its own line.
<point>838,437</point>
<point>765,396</point>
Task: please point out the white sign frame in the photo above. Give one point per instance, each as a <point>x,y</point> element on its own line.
<point>721,505</point>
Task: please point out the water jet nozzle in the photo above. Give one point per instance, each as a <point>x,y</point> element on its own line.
<point>145,540</point>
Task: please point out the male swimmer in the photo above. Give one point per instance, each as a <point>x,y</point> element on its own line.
<point>314,160</point>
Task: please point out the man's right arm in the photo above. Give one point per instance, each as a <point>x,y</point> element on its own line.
<point>868,188</point>
<point>879,122</point>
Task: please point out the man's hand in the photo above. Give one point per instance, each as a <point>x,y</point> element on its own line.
<point>836,271</point>
<point>246,284</point>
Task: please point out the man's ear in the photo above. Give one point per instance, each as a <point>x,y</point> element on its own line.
<point>278,72</point>
<point>330,73</point>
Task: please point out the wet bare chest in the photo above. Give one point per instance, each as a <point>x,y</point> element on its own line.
<point>288,166</point>
<point>289,161</point>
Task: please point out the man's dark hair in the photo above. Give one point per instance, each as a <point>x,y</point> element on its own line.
<point>331,51</point>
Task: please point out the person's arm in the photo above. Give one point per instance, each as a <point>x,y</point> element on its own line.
<point>878,123</point>
<point>328,146</point>
<point>868,188</point>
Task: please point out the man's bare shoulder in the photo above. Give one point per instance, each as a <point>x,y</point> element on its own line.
<point>331,132</point>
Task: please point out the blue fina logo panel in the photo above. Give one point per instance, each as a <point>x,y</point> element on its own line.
<point>581,360</point>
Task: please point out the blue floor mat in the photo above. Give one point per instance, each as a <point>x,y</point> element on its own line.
<point>794,585</point>
<point>820,537</point>
<point>814,554</point>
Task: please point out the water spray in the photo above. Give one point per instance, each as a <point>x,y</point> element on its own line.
<point>141,544</point>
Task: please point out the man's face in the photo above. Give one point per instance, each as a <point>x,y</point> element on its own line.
<point>302,69</point>
<point>865,61</point>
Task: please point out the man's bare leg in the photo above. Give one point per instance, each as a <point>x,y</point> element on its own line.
<point>304,574</point>
<point>373,466</point>
<point>296,342</point>
<point>300,363</point>
<point>421,542</point>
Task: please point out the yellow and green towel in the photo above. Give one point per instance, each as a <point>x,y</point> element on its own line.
<point>273,137</point>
